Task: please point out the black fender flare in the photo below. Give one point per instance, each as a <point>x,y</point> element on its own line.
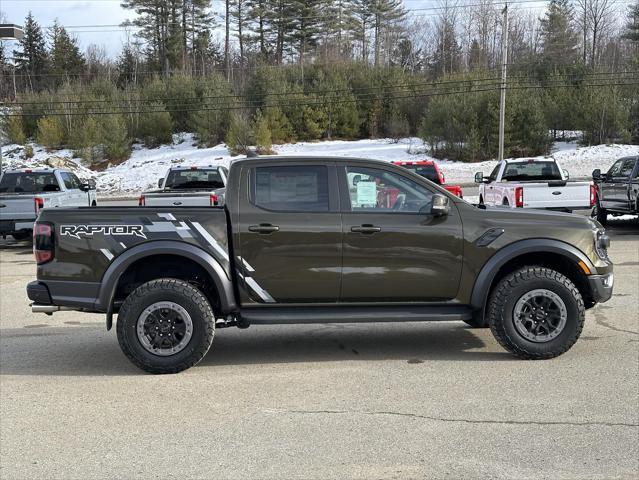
<point>112,275</point>
<point>487,274</point>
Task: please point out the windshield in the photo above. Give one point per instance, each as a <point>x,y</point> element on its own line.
<point>426,171</point>
<point>36,182</point>
<point>531,171</point>
<point>200,179</point>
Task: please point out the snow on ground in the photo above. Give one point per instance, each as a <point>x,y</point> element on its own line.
<point>146,166</point>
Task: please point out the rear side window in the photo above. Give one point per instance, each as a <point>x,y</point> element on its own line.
<point>627,167</point>
<point>28,183</point>
<point>426,171</point>
<point>294,188</point>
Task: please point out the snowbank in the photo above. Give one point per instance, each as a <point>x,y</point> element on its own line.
<point>145,166</point>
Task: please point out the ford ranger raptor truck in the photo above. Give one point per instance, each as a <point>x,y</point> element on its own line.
<point>320,240</point>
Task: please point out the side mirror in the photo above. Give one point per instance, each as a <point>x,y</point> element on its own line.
<point>479,177</point>
<point>85,187</point>
<point>596,174</point>
<point>440,206</point>
<point>566,174</point>
<point>160,182</point>
<point>356,180</point>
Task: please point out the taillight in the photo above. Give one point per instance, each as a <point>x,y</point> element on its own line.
<point>43,248</point>
<point>213,199</point>
<point>519,197</point>
<point>593,195</point>
<point>38,204</point>
<point>141,201</point>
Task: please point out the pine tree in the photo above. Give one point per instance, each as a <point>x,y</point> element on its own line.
<point>31,59</point>
<point>386,14</point>
<point>263,140</point>
<point>560,39</point>
<point>65,56</point>
<point>50,133</point>
<point>631,31</point>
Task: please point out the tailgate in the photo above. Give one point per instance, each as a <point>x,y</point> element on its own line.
<point>16,207</point>
<point>557,195</point>
<point>175,199</point>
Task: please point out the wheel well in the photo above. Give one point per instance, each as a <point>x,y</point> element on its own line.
<point>554,261</point>
<point>165,266</point>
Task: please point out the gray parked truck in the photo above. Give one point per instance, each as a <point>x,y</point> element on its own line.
<point>303,240</point>
<point>188,187</point>
<point>24,192</point>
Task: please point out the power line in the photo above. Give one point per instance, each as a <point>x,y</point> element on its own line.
<point>495,87</point>
<point>473,82</point>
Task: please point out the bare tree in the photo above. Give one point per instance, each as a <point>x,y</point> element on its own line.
<point>600,19</point>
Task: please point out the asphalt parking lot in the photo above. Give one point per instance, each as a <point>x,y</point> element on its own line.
<point>436,400</point>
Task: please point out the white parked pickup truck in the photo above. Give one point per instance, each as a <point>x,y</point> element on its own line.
<point>24,192</point>
<point>188,187</point>
<point>534,183</point>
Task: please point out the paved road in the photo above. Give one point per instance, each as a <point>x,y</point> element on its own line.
<point>322,401</point>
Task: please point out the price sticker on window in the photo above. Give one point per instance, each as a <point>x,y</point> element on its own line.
<point>366,194</point>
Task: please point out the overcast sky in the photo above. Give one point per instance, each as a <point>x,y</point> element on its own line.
<point>81,16</point>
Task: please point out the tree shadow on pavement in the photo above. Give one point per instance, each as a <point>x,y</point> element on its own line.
<point>91,351</point>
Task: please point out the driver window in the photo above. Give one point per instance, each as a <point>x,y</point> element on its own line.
<point>377,190</point>
<point>615,169</point>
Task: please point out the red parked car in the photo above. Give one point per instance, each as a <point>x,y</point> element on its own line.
<point>429,169</point>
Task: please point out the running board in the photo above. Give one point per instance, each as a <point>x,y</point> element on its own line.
<point>295,315</point>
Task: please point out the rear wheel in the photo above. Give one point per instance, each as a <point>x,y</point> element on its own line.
<point>165,326</point>
<point>22,235</point>
<point>536,313</point>
<point>505,202</point>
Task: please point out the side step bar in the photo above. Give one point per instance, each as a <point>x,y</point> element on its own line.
<point>344,314</point>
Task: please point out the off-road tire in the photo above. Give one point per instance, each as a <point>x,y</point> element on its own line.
<point>600,214</point>
<point>22,235</point>
<point>181,293</point>
<point>511,288</point>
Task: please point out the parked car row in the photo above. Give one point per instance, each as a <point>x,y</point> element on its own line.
<point>24,192</point>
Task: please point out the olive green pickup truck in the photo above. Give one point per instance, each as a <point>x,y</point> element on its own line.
<point>320,240</point>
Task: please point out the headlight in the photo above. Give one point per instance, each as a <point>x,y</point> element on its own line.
<point>602,242</point>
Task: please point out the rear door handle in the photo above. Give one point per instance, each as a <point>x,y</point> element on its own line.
<point>263,228</point>
<point>366,229</point>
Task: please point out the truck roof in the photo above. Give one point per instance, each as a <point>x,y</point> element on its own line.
<point>530,160</point>
<point>35,170</point>
<point>307,159</point>
<point>196,167</point>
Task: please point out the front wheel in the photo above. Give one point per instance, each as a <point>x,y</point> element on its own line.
<point>165,326</point>
<point>22,235</point>
<point>599,213</point>
<point>536,313</point>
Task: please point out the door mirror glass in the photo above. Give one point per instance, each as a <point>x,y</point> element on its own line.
<point>566,174</point>
<point>596,174</point>
<point>440,206</point>
<point>479,177</point>
<point>160,182</point>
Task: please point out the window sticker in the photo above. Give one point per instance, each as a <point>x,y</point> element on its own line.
<point>366,194</point>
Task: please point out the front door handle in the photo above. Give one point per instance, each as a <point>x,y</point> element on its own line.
<point>366,229</point>
<point>263,228</point>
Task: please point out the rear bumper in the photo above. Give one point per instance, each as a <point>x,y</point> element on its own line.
<point>39,293</point>
<point>601,287</point>
<point>10,226</point>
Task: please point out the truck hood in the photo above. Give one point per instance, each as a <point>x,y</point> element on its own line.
<point>543,218</point>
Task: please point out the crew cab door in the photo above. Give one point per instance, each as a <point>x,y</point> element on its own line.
<point>394,249</point>
<point>74,196</point>
<point>290,245</point>
<point>621,188</point>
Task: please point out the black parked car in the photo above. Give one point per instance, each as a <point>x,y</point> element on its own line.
<point>617,190</point>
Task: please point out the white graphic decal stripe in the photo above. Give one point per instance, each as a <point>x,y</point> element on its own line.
<point>264,295</point>
<point>218,248</point>
<point>107,253</point>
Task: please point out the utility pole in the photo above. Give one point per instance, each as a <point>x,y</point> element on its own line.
<point>502,99</point>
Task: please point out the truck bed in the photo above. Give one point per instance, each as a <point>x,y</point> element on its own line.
<point>171,198</point>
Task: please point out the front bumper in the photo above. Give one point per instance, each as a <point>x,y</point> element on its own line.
<point>601,287</point>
